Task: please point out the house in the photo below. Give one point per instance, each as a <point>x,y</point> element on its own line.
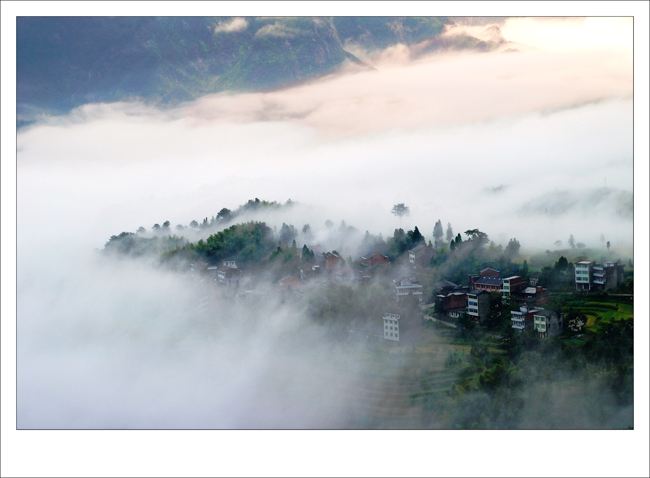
<point>213,272</point>
<point>343,275</point>
<point>487,272</point>
<point>372,260</point>
<point>420,255</point>
<point>452,304</point>
<point>532,296</point>
<point>611,277</point>
<point>523,319</point>
<point>228,276</point>
<point>391,327</point>
<point>405,286</point>
<point>333,261</point>
<point>478,304</point>
<point>534,278</point>
<point>290,283</point>
<point>308,271</point>
<point>230,264</point>
<point>489,284</point>
<point>548,323</point>
<point>512,284</point>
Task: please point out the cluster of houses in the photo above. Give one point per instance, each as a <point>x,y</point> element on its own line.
<point>451,300</point>
<point>454,300</point>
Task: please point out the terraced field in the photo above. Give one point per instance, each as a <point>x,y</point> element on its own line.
<point>601,313</point>
<point>399,382</point>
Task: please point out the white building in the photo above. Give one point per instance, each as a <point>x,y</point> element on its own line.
<point>405,286</point>
<point>391,327</point>
<point>584,274</point>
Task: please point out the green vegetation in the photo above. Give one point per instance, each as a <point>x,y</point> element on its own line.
<point>243,243</point>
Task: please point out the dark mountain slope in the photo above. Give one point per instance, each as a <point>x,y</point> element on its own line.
<point>63,62</point>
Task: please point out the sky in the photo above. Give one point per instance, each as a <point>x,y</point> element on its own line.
<point>516,143</point>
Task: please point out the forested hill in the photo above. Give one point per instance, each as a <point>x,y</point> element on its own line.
<point>63,62</point>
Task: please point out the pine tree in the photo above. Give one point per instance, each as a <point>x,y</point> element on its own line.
<point>450,232</point>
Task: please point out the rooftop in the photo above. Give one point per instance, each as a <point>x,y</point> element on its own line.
<point>544,312</point>
<point>489,281</point>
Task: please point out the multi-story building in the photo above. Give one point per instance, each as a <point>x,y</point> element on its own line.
<point>512,284</point>
<point>593,276</point>
<point>420,255</point>
<point>478,304</point>
<point>584,275</point>
<point>391,327</point>
<point>548,323</point>
<point>405,286</point>
<point>523,319</point>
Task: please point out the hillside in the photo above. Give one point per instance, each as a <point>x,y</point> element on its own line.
<point>64,62</point>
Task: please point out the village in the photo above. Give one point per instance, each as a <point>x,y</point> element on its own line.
<point>445,303</point>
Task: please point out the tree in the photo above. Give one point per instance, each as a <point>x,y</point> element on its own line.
<point>329,224</point>
<point>225,214</point>
<point>400,210</point>
<point>572,242</point>
<point>307,255</point>
<point>498,313</point>
<point>562,264</point>
<point>141,230</point>
<point>558,244</point>
<point>477,237</point>
<point>156,226</point>
<point>608,244</point>
<point>602,238</point>
<point>580,245</point>
<point>415,236</point>
<point>450,232</point>
<point>194,224</point>
<point>287,234</point>
<point>179,227</point>
<point>575,321</point>
<point>512,249</point>
<point>438,233</point>
<point>166,225</point>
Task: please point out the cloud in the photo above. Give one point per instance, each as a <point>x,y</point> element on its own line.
<point>277,29</point>
<point>235,25</point>
<point>440,89</point>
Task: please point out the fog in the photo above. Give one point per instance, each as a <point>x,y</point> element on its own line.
<point>534,144</point>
